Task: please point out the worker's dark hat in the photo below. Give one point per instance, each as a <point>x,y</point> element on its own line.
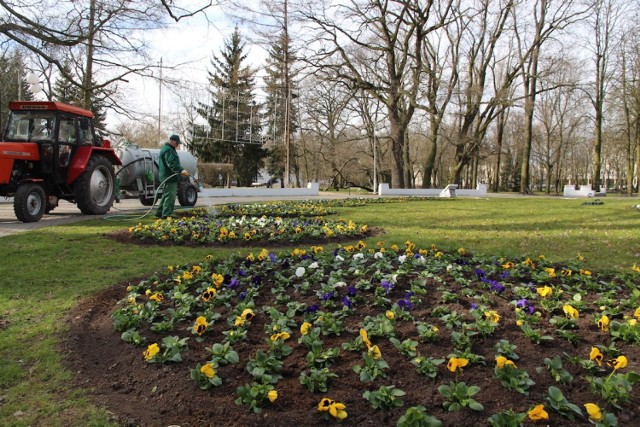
<point>175,138</point>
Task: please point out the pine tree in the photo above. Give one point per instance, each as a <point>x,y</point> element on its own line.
<point>13,83</point>
<point>233,125</point>
<point>64,91</point>
<point>280,76</point>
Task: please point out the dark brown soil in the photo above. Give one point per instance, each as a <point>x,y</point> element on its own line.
<point>137,393</point>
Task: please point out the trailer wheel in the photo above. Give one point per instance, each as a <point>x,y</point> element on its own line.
<point>146,201</point>
<point>29,202</point>
<point>95,188</point>
<point>187,194</point>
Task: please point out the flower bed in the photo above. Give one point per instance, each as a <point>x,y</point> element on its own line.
<point>406,333</point>
<point>308,208</point>
<point>298,209</point>
<point>205,230</point>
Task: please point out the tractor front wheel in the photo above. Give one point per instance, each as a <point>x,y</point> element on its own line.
<point>95,188</point>
<point>29,202</point>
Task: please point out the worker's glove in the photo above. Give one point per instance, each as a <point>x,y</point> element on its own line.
<point>184,173</point>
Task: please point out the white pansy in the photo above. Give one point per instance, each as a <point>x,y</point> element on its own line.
<point>394,278</point>
<point>340,285</point>
<point>300,271</point>
<point>339,258</point>
<point>378,255</point>
<point>449,267</point>
<point>314,265</point>
<point>358,256</point>
<point>402,259</point>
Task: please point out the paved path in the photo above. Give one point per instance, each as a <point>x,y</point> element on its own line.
<point>67,213</point>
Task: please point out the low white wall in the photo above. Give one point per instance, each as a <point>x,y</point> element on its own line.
<point>313,189</point>
<point>582,191</point>
<point>450,191</point>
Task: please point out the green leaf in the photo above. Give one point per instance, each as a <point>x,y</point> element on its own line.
<point>476,406</point>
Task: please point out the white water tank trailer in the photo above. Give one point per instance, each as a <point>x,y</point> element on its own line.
<point>138,175</point>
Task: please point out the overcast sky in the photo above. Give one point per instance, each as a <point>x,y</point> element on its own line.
<point>188,47</point>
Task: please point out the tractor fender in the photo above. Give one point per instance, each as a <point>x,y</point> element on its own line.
<point>82,156</point>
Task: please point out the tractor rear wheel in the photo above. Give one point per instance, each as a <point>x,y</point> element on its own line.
<point>29,202</point>
<point>95,188</point>
<point>187,194</point>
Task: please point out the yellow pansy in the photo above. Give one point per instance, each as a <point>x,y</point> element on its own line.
<point>208,294</point>
<point>281,336</point>
<point>158,297</point>
<point>603,323</point>
<point>151,351</point>
<point>618,363</point>
<point>538,413</point>
<point>596,355</point>
<point>365,337</point>
<point>502,361</point>
<point>456,363</point>
<point>545,291</point>
<point>337,410</point>
<point>217,279</point>
<point>635,268</point>
<point>390,315</point>
<point>550,271</point>
<point>594,411</point>
<point>247,314</point>
<point>304,329</point>
<point>492,316</point>
<point>201,325</point>
<point>272,395</point>
<point>324,404</point>
<point>187,275</point>
<point>636,313</point>
<point>208,371</point>
<point>570,311</point>
<point>374,352</point>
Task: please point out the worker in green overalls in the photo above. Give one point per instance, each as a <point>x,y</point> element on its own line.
<point>170,170</point>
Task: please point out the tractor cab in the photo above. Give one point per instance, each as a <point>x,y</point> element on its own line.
<point>47,150</point>
<point>58,133</point>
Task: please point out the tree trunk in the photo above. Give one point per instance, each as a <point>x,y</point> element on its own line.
<point>397,150</point>
<point>87,81</point>
<point>499,139</point>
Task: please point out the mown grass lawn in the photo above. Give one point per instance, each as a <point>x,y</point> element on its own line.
<point>45,272</point>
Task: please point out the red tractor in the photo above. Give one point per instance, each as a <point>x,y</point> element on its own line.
<point>50,152</point>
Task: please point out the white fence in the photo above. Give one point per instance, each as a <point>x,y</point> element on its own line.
<point>450,190</point>
<point>313,189</point>
<point>582,191</point>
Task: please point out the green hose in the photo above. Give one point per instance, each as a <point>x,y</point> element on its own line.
<point>124,217</point>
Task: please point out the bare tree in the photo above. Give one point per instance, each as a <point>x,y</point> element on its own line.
<point>559,115</point>
<point>607,15</point>
<point>104,37</point>
<point>325,114</point>
<point>376,47</point>
<point>441,53</point>
<point>483,28</point>
<point>629,90</point>
<point>547,18</point>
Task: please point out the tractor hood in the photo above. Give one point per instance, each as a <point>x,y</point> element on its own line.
<point>12,151</point>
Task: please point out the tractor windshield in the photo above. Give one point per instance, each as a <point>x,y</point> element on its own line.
<point>30,126</point>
